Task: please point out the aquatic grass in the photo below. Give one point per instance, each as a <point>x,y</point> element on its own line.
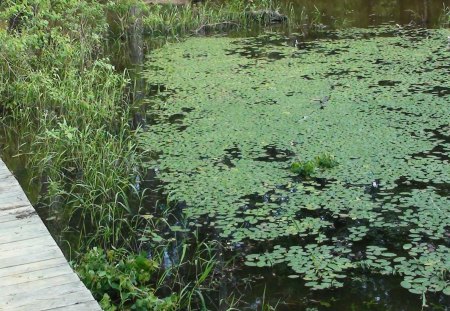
<point>178,20</point>
<point>308,168</point>
<point>189,265</point>
<point>70,107</point>
<point>203,263</point>
<point>94,172</point>
<point>79,136</point>
<point>304,169</point>
<point>217,16</point>
<point>444,18</point>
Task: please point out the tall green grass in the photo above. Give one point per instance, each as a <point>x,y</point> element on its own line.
<point>71,105</point>
<point>178,20</point>
<point>444,18</point>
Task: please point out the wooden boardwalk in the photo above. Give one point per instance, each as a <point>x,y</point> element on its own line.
<point>34,274</point>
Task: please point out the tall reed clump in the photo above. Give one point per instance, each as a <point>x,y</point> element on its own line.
<point>70,104</point>
<point>444,18</point>
<point>176,20</point>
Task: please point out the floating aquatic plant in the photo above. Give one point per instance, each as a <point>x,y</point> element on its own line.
<point>305,169</point>
<point>248,116</point>
<point>427,270</point>
<point>320,266</point>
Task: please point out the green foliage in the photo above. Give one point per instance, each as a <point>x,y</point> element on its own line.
<point>320,266</point>
<point>427,269</point>
<point>308,168</point>
<point>304,169</point>
<point>117,278</point>
<point>326,161</point>
<point>163,19</point>
<point>67,102</point>
<point>378,259</point>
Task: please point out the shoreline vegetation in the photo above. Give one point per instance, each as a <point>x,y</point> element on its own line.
<point>69,112</point>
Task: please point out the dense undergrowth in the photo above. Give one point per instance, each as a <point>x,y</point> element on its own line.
<point>69,104</point>
<point>69,111</point>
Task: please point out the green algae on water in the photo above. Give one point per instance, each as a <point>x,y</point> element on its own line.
<point>238,112</point>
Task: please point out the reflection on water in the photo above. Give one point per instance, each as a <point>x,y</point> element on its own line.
<point>364,13</point>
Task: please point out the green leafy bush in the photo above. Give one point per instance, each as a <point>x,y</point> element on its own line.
<point>308,168</point>
<point>117,278</point>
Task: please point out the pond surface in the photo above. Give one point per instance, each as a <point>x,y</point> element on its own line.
<point>364,13</point>
<point>229,116</point>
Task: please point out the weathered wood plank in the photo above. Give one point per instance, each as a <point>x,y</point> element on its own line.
<point>35,256</point>
<point>85,306</point>
<point>48,297</point>
<point>24,234</point>
<point>33,266</point>
<point>20,224</point>
<point>12,202</point>
<point>26,277</point>
<point>27,254</point>
<point>11,207</point>
<point>34,275</point>
<point>18,213</point>
<point>37,286</point>
<point>39,240</point>
<point>65,305</point>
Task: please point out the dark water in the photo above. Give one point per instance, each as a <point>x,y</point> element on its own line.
<point>365,13</point>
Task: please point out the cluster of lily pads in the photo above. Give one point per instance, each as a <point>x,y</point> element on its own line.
<point>321,266</point>
<point>247,112</point>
